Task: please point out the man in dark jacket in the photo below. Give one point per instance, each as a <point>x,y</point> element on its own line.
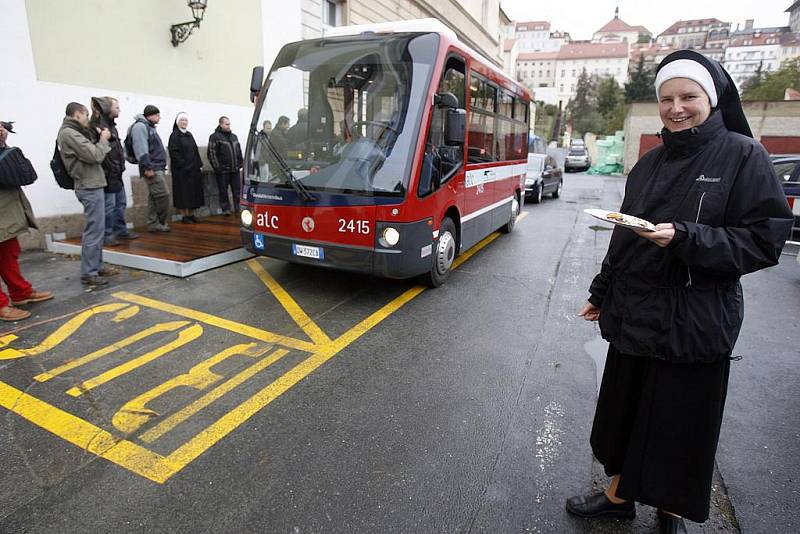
<point>225,155</point>
<point>104,110</point>
<point>16,216</point>
<point>152,160</point>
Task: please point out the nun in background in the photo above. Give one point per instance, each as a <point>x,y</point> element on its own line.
<point>186,167</point>
<point>669,302</point>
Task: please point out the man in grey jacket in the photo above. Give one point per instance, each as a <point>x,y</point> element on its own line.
<point>152,159</point>
<point>83,151</point>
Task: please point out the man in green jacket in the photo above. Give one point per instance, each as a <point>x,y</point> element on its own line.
<point>16,216</point>
<point>83,151</point>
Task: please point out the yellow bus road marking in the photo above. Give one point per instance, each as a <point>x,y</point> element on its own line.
<point>161,327</point>
<point>154,466</point>
<point>135,413</point>
<point>210,397</point>
<point>219,322</point>
<point>86,435</point>
<point>62,333</point>
<point>300,317</point>
<point>184,336</point>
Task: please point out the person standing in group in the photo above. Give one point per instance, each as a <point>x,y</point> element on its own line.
<point>186,169</point>
<point>104,110</point>
<point>670,303</point>
<point>152,159</point>
<point>225,156</point>
<point>83,153</point>
<point>280,135</point>
<point>16,216</point>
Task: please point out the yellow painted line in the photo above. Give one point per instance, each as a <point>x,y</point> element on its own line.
<point>62,333</point>
<point>162,327</point>
<point>86,435</point>
<point>5,340</point>
<point>300,317</point>
<point>219,322</point>
<point>184,336</point>
<point>210,397</point>
<point>127,313</point>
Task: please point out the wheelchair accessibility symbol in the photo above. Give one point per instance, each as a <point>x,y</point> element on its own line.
<point>258,241</point>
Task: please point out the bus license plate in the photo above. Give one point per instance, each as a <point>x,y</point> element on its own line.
<point>308,252</point>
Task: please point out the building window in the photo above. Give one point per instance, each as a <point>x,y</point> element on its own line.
<point>333,12</point>
<point>573,72</point>
<point>540,74</point>
<point>561,87</point>
<point>563,73</point>
<point>572,88</point>
<point>548,73</point>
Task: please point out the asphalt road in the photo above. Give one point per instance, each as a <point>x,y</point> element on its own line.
<point>266,397</point>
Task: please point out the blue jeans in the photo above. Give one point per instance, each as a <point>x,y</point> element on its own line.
<point>94,203</point>
<point>115,214</point>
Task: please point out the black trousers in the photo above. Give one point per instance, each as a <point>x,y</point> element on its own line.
<point>657,425</point>
<point>225,180</point>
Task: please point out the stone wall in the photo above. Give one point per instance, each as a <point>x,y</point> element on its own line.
<point>766,118</point>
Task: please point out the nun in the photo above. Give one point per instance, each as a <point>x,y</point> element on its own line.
<point>669,302</point>
<point>186,167</point>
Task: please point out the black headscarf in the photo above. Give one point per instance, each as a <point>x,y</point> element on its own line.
<point>728,102</point>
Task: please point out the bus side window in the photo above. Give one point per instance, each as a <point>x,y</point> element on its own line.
<point>440,161</point>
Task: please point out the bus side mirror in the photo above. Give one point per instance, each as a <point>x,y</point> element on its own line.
<point>256,80</point>
<point>455,129</point>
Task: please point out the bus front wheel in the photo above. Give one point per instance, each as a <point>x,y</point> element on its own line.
<point>444,254</point>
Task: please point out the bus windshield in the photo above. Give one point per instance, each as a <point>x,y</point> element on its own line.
<point>342,114</point>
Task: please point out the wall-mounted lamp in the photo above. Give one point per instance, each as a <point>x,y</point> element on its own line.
<point>181,32</point>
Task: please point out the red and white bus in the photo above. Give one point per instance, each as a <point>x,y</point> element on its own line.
<point>386,149</point>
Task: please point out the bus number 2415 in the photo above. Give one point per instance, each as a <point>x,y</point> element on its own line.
<point>354,227</point>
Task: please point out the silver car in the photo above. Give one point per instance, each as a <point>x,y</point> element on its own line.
<point>577,159</point>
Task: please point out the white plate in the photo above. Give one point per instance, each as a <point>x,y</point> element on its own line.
<point>628,221</point>
<point>307,252</point>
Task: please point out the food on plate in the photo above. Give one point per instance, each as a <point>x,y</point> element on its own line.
<point>613,215</point>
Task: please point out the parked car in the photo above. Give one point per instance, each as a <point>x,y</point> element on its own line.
<point>788,170</point>
<point>577,159</point>
<point>543,178</point>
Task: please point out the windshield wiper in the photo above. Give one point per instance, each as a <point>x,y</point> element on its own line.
<point>296,184</point>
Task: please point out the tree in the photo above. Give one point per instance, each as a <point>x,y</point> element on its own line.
<point>611,104</point>
<point>641,86</point>
<point>774,84</point>
<point>755,80</point>
<point>582,109</point>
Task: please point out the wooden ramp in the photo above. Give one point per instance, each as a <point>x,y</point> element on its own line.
<point>186,250</point>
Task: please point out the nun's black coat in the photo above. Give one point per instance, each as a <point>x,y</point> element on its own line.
<point>672,315</point>
<point>185,167</point>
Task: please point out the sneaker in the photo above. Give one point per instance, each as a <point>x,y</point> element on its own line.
<point>128,235</point>
<point>35,296</point>
<point>186,219</point>
<point>107,271</point>
<point>192,218</point>
<point>93,281</point>
<point>158,228</point>
<point>111,242</point>
<point>10,313</point>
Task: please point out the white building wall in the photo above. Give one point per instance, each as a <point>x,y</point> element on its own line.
<point>742,62</point>
<point>38,107</point>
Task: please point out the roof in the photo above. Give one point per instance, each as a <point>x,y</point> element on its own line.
<point>534,25</point>
<point>617,25</point>
<point>690,23</point>
<point>792,7</point>
<point>537,56</point>
<point>586,50</point>
<point>508,44</point>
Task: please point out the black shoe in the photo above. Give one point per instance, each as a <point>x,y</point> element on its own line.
<point>670,524</point>
<point>192,218</point>
<point>598,505</point>
<point>93,281</point>
<point>128,235</point>
<point>187,220</point>
<point>111,242</point>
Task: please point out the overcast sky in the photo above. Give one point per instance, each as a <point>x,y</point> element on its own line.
<point>581,18</point>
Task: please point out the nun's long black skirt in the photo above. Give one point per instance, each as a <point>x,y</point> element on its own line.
<point>657,425</point>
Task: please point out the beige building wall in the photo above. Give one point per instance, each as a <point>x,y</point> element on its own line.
<point>465,18</point>
<point>126,46</point>
<point>765,118</point>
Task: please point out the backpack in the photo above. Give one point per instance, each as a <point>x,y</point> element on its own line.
<point>130,155</point>
<point>63,178</point>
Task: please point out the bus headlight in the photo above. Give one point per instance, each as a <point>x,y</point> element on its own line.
<point>390,237</point>
<point>247,218</point>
